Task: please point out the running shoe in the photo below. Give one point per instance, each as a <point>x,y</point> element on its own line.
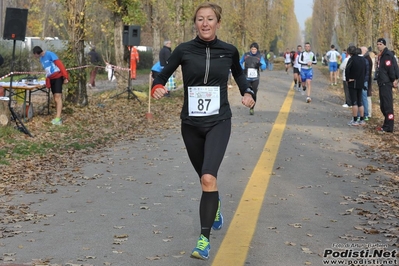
<point>218,223</point>
<point>366,118</point>
<point>353,123</point>
<point>251,111</point>
<point>380,130</point>
<point>308,99</point>
<point>56,121</point>
<point>345,105</point>
<point>201,251</point>
<point>362,123</point>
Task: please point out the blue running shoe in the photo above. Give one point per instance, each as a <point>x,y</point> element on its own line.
<point>202,250</point>
<point>218,223</point>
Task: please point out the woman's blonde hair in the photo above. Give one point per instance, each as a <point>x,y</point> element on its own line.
<point>215,7</point>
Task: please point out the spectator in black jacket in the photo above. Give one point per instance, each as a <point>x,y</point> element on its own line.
<point>387,75</point>
<point>355,73</point>
<point>95,60</point>
<point>165,52</point>
<point>164,55</point>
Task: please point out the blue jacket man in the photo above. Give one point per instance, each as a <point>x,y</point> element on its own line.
<point>252,62</point>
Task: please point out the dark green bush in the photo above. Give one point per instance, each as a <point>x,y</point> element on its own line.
<point>145,60</point>
<point>21,62</point>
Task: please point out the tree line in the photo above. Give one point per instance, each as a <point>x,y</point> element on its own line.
<point>343,22</point>
<point>271,23</point>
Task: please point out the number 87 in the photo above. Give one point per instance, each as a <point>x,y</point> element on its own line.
<point>201,104</point>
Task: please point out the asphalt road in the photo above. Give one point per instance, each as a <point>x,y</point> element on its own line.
<point>137,203</point>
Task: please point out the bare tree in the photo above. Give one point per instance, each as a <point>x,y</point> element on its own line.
<point>75,14</point>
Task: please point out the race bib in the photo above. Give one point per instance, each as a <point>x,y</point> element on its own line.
<point>203,101</point>
<point>252,73</point>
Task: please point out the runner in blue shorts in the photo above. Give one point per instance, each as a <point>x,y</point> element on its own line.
<point>333,56</point>
<point>307,59</point>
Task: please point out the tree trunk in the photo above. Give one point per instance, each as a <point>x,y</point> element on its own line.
<point>156,40</point>
<point>77,91</point>
<point>5,114</point>
<point>121,75</point>
<point>395,31</point>
<point>156,32</point>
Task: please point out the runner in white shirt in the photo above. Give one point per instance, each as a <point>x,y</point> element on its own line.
<point>333,57</point>
<point>307,59</point>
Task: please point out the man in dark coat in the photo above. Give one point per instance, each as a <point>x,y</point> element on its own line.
<point>165,52</point>
<point>164,55</point>
<point>387,74</point>
<point>95,60</point>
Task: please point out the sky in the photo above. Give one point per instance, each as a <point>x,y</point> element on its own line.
<point>303,10</point>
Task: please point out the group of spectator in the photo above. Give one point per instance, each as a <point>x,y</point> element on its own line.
<point>360,67</point>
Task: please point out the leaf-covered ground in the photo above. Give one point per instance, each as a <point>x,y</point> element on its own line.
<point>55,154</point>
<point>378,210</point>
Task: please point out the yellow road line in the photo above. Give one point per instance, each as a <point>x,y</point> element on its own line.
<point>234,247</point>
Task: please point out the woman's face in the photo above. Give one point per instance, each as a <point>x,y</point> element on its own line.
<point>206,24</point>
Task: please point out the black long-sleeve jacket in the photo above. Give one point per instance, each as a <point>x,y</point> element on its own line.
<point>205,64</point>
<point>387,67</point>
<point>369,78</point>
<point>356,70</point>
<point>164,55</point>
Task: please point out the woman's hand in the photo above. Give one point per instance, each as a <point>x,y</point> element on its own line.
<point>159,93</point>
<point>247,100</point>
